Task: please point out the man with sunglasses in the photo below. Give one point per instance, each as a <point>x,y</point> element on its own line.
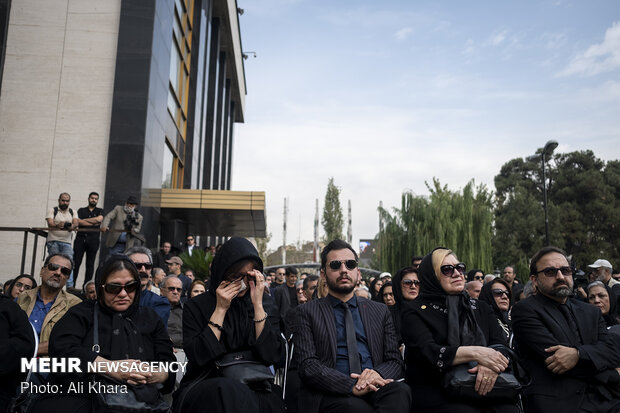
<point>47,303</point>
<point>564,343</point>
<point>142,259</point>
<point>346,346</point>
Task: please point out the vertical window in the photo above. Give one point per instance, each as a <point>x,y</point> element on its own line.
<point>178,87</point>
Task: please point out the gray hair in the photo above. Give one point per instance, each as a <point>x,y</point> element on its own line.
<point>489,277</point>
<point>595,284</point>
<point>140,250</point>
<point>528,289</point>
<point>165,280</point>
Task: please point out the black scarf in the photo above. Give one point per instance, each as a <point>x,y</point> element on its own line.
<point>463,329</point>
<point>486,295</point>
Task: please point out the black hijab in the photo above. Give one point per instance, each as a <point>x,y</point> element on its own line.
<point>463,329</point>
<point>238,324</point>
<point>611,318</point>
<point>118,328</point>
<point>486,295</point>
<point>374,295</point>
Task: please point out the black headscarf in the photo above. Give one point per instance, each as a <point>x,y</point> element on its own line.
<point>118,328</point>
<point>238,322</point>
<point>611,318</point>
<point>19,277</point>
<point>463,329</point>
<point>486,295</point>
<point>374,295</point>
<point>382,289</point>
<point>398,288</point>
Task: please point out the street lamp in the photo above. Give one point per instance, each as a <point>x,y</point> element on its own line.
<point>546,153</point>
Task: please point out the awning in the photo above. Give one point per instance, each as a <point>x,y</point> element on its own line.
<point>212,212</point>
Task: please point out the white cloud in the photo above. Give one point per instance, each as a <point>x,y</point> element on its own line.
<point>599,58</point>
<point>497,39</point>
<point>403,33</point>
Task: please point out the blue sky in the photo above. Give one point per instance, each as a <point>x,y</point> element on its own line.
<point>384,96</point>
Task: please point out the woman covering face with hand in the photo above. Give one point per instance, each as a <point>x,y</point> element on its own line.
<point>235,314</point>
<point>443,328</point>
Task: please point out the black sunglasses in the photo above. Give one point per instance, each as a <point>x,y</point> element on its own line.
<point>115,289</point>
<point>497,292</point>
<point>54,267</point>
<point>552,271</point>
<point>410,283</point>
<point>146,265</point>
<point>173,289</point>
<point>479,277</point>
<point>449,270</point>
<point>350,264</point>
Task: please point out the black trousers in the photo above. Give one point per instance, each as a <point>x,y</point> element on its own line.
<point>394,397</point>
<point>89,244</point>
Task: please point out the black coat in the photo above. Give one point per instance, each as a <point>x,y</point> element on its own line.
<point>538,324</point>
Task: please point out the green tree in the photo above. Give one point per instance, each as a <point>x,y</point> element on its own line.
<point>332,220</point>
<point>461,221</point>
<point>261,247</point>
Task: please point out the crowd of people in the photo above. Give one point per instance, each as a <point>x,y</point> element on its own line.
<point>343,342</point>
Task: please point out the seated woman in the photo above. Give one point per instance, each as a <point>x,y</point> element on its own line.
<point>497,295</point>
<point>235,314</point>
<point>406,288</point>
<point>386,293</point>
<point>21,283</point>
<point>375,286</point>
<point>127,332</point>
<point>444,328</point>
<point>604,298</point>
<point>197,288</point>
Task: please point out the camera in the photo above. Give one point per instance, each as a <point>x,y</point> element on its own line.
<point>67,225</point>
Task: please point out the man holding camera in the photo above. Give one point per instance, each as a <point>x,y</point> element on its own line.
<point>60,221</point>
<point>125,222</point>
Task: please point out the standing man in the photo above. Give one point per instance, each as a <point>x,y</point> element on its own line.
<point>126,223</point>
<point>163,255</point>
<point>601,270</point>
<point>516,288</point>
<point>60,221</point>
<point>346,345</point>
<point>88,217</point>
<point>564,343</point>
<point>285,296</point>
<point>47,303</point>
<point>141,257</point>
<point>311,282</point>
<point>190,244</point>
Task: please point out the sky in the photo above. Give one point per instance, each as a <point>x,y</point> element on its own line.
<point>385,96</point>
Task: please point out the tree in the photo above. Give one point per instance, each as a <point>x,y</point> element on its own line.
<point>261,246</point>
<point>461,221</point>
<point>332,220</point>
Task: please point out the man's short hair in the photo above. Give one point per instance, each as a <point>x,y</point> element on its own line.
<point>290,270</point>
<point>416,258</point>
<point>86,284</point>
<point>140,250</point>
<point>168,277</point>
<point>65,256</point>
<point>93,193</point>
<point>63,193</point>
<point>541,253</point>
<point>309,279</point>
<point>336,244</point>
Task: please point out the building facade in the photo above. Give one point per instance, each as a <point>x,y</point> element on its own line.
<point>123,97</point>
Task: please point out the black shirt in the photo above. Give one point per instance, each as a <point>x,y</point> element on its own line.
<point>84,213</point>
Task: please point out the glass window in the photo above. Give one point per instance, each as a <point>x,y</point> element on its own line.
<point>166,179</point>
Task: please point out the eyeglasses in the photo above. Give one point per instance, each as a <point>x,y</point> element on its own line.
<point>350,264</point>
<point>146,265</point>
<point>19,284</point>
<point>190,239</point>
<point>410,283</point>
<point>479,277</point>
<point>499,292</point>
<point>54,267</point>
<point>450,270</point>
<point>113,288</point>
<point>173,289</point>
<point>553,272</point>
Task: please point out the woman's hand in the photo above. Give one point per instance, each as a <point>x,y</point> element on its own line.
<point>256,279</point>
<point>485,379</point>
<point>130,376</point>
<point>491,359</point>
<point>225,292</point>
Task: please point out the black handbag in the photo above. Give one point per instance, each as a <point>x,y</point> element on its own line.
<point>113,396</point>
<point>459,383</point>
<point>244,367</point>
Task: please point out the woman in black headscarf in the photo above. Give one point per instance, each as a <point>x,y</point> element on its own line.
<point>604,298</point>
<point>442,328</point>
<point>21,283</point>
<point>234,315</point>
<point>406,287</point>
<point>127,332</point>
<point>497,294</point>
<point>375,286</point>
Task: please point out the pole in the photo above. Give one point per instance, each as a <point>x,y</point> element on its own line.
<point>315,248</point>
<point>284,235</point>
<point>545,200</point>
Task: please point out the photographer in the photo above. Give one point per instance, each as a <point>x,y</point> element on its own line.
<point>60,221</point>
<point>125,222</point>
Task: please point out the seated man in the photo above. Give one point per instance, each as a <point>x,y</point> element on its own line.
<point>346,346</point>
<point>172,289</point>
<point>564,343</point>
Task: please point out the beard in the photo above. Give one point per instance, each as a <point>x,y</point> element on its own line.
<point>92,204</point>
<point>560,289</point>
<point>53,284</point>
<point>63,207</point>
<point>340,289</point>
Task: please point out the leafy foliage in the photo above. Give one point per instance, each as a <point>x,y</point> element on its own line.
<point>461,221</point>
<point>332,220</point>
<point>199,262</point>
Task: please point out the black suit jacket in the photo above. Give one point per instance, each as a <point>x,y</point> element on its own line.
<point>283,302</point>
<point>315,349</point>
<point>537,324</point>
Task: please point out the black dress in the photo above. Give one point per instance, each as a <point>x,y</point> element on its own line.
<point>427,332</point>
<point>202,385</point>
